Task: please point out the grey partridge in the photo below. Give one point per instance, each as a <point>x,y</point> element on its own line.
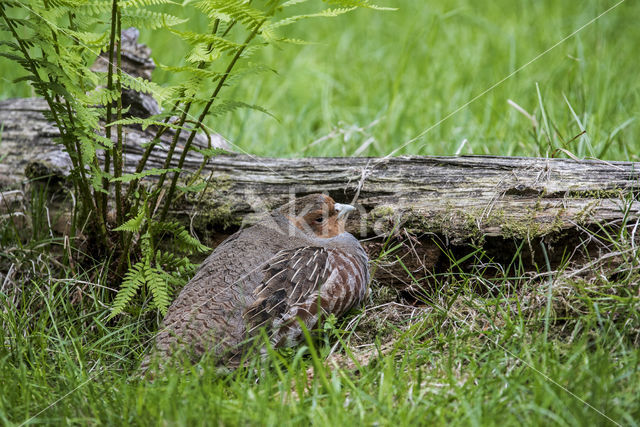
<point>295,266</point>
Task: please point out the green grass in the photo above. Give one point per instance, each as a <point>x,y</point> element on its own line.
<point>462,357</point>
<point>405,71</point>
<point>502,352</point>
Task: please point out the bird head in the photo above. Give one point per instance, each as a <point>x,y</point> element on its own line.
<point>317,215</point>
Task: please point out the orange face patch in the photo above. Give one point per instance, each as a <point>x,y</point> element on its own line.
<point>324,223</point>
<point>321,219</point>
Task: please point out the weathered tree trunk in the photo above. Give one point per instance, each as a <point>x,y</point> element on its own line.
<point>431,204</point>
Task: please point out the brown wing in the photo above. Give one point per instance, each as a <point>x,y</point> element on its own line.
<point>305,284</point>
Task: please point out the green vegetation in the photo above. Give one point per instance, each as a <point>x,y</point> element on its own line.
<point>56,44</point>
<point>475,348</point>
<point>395,74</point>
<point>506,351</point>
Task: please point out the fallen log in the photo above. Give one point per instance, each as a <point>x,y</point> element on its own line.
<point>433,205</point>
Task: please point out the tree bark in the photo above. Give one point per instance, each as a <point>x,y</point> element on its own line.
<point>432,205</point>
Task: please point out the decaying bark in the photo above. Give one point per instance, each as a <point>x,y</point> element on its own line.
<point>431,204</point>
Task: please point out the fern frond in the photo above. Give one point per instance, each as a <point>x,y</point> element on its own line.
<point>96,178</point>
<point>133,280</point>
<point>365,4</point>
<point>184,240</point>
<point>88,38</point>
<point>18,58</point>
<point>96,7</point>
<point>12,3</point>
<point>103,7</point>
<point>292,3</point>
<point>103,141</point>
<point>200,53</point>
<point>139,84</point>
<point>59,4</point>
<point>31,79</point>
<point>142,3</point>
<point>178,269</point>
<point>156,280</point>
<point>214,42</point>
<point>11,45</point>
<point>327,13</point>
<point>88,150</point>
<point>128,177</point>
<point>146,246</point>
<point>232,10</point>
<point>102,96</point>
<point>133,225</point>
<point>142,18</point>
<point>190,87</point>
<point>170,261</point>
<point>191,242</point>
<point>202,73</point>
<point>146,122</point>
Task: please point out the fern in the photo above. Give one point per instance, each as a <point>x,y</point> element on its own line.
<point>149,172</point>
<point>327,13</point>
<point>232,10</point>
<point>158,271</point>
<point>139,84</point>
<point>185,242</point>
<point>141,3</point>
<point>56,43</point>
<point>169,261</point>
<point>212,41</point>
<point>133,280</point>
<point>147,19</point>
<point>145,122</point>
<point>156,280</point>
<point>358,3</point>
<point>134,224</point>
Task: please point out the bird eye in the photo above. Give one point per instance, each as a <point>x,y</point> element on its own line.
<point>319,219</point>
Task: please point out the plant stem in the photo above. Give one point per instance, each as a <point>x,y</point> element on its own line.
<point>127,239</point>
<point>109,118</point>
<point>64,132</point>
<point>145,156</point>
<point>99,204</point>
<point>201,118</point>
<point>74,129</point>
<point>117,159</point>
<point>176,136</point>
<point>102,228</point>
<point>133,185</point>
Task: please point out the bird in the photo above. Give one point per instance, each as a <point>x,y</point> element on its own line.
<point>294,267</point>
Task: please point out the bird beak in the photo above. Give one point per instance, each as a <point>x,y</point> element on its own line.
<point>343,210</point>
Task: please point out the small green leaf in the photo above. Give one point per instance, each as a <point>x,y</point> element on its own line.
<point>132,225</point>
<point>128,177</point>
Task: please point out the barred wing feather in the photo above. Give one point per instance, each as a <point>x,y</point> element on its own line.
<point>304,285</point>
